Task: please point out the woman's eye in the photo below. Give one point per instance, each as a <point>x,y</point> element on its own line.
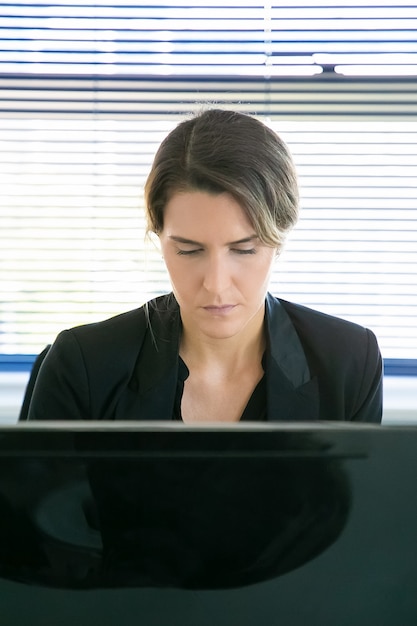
<point>244,251</point>
<point>195,251</point>
<point>188,252</point>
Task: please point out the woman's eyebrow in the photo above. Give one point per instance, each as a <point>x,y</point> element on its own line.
<point>197,243</point>
<point>184,240</point>
<point>244,240</point>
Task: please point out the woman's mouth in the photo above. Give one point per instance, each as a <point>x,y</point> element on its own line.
<point>223,309</point>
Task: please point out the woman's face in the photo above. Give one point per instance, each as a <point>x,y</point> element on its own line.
<point>219,269</point>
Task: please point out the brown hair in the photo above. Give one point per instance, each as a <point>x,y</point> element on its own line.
<point>221,151</point>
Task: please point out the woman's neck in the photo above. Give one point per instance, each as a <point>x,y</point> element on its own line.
<point>226,356</point>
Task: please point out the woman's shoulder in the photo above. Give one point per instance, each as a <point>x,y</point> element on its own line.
<point>312,319</point>
<point>326,336</point>
<point>111,348</point>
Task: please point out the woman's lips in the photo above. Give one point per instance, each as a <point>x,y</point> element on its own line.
<point>224,309</point>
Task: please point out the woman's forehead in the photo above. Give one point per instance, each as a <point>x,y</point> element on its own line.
<point>205,214</point>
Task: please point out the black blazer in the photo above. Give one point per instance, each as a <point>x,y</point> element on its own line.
<point>318,367</point>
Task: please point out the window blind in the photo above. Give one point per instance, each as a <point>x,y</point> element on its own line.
<point>249,37</point>
<point>87,92</point>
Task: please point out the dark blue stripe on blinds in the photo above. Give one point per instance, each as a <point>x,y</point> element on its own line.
<point>400,367</point>
<point>23,363</point>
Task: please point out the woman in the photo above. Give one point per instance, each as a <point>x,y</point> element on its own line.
<point>221,196</point>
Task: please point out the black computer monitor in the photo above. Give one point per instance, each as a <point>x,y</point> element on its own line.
<point>120,524</point>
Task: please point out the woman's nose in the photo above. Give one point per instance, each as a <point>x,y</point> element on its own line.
<point>216,275</point>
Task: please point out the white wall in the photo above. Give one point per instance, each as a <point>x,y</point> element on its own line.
<point>400,398</point>
<point>12,387</point>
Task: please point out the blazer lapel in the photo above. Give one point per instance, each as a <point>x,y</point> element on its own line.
<point>157,370</point>
<point>292,395</point>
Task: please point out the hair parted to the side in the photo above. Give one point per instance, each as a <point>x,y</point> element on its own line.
<point>220,151</point>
